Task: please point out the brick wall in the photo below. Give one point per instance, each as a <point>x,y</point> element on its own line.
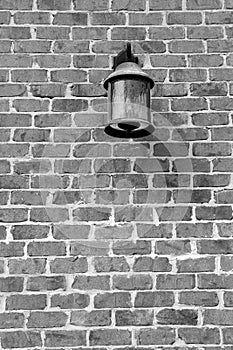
<point>107,242</point>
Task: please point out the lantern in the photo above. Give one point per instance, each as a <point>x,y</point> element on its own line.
<point>128,98</point>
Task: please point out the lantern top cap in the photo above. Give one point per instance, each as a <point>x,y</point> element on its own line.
<point>126,65</point>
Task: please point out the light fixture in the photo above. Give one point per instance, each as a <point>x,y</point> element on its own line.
<point>128,97</point>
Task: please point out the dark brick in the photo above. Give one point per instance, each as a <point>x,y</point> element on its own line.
<point>110,337</point>
<point>198,298</point>
<point>134,318</point>
<point>39,283</point>
<point>158,336</point>
<point>65,338</point>
<point>172,316</point>
<point>70,301</point>
<point>20,339</point>
<point>112,300</point>
<point>91,319</point>
<point>199,335</point>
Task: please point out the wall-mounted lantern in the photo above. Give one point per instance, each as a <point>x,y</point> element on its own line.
<point>128,97</point>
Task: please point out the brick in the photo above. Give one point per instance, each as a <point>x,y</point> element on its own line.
<point>12,90</point>
<point>92,33</point>
<point>68,75</point>
<point>215,246</point>
<point>110,336</point>
<point>199,230</point>
<point>209,89</point>
<point>90,61</point>
<point>13,215</point>
<point>130,181</point>
<point>4,75</point>
<point>92,214</point>
<point>29,75</point>
<point>50,150</point>
<point>226,263</point>
<point>2,232</point>
<point>199,298</point>
<point>110,264</point>
<point>205,32</point>
<point>71,46</point>
<point>218,317</point>
<point>165,5</point>
<point>31,135</point>
<point>32,167</point>
<point>209,119</point>
<point>27,266</point>
<point>49,214</point>
<point>129,33</point>
<point>71,197</point>
<point>92,151</point>
<point>50,120</point>
<point>213,281</point>
<point>88,181</point>
<point>167,60</point>
<point>205,60</point>
<point>134,282</point>
<point>199,335</point>
<point>228,299</point>
<point>46,248</point>
<point>113,232</point>
<point>40,319</point>
<point>181,46</point>
<point>70,19</point>
<point>38,283</point>
<point>224,229</point>
<point>69,105</point>
<point>52,33</point>
<point>4,197</point>
<point>169,281</point>
<point>189,134</point>
<point>11,284</point>
<point>153,231</point>
<point>73,166</point>
<point>214,213</point>
<point>185,18</point>
<point>131,248</point>
<point>158,264</point>
<point>170,119</point>
<point>14,150</point>
<point>213,149</point>
<point>73,232</point>
<point>15,60</point>
<point>12,249</point>
<point>170,150</point>
<point>32,46</point>
<point>143,165</point>
<point>48,90</point>
<point>152,46</point>
<point>70,301</point>
<point>57,5</point>
<point>153,299</point>
<point>16,5</point>
<point>219,17</point>
<point>26,302</point>
<point>169,90</point>
<point>112,197</point>
<point>91,319</point>
<point>91,282</point>
<point>196,265</point>
<point>217,180</point>
<point>31,17</point>
<point>97,5</point>
<point>89,248</point>
<point>187,75</point>
<point>112,300</point>
<point>50,181</point>
<point>65,338</point>
<point>4,106</point>
<point>15,119</point>
<point>176,247</point>
<point>133,213</point>
<point>166,33</point>
<point>5,48</point>
<point>129,6</point>
<point>29,231</point>
<point>53,61</point>
<point>204,5</point>
<point>223,74</point>
<point>171,180</point>
<point>227,335</point>
<point>5,166</point>
<point>103,18</point>
<point>20,339</point>
<point>172,316</point>
<point>11,320</point>
<point>158,336</point>
<point>189,104</point>
<point>134,318</point>
<point>14,33</point>
<point>31,105</point>
<point>150,196</point>
<point>72,135</point>
<point>191,196</point>
<point>154,18</point>
<point>224,197</point>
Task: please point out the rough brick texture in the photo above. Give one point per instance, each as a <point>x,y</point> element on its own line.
<point>109,243</point>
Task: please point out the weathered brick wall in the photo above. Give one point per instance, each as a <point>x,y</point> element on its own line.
<point>109,242</point>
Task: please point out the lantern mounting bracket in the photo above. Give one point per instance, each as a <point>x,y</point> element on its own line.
<point>125,55</point>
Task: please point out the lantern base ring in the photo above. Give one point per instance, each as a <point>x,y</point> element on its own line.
<point>129,128</point>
